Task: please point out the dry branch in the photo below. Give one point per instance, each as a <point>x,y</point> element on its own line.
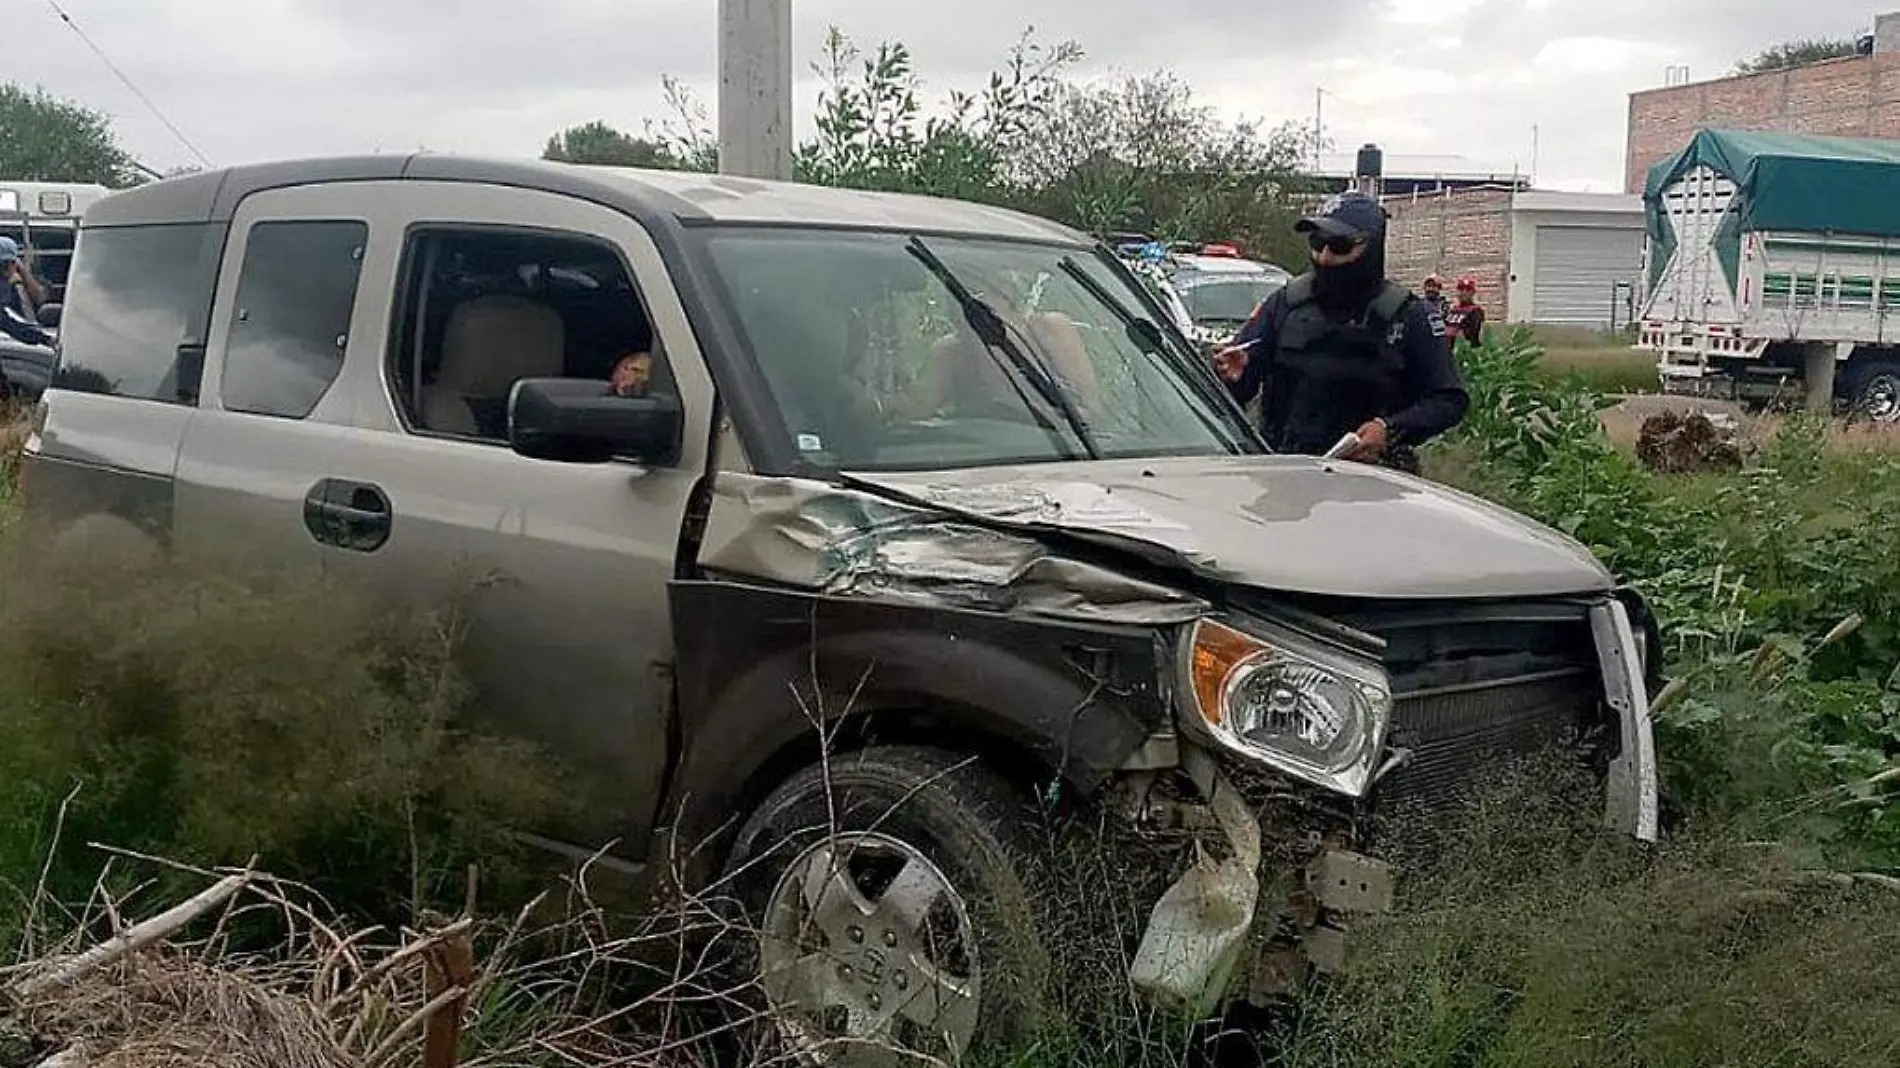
<point>133,939</point>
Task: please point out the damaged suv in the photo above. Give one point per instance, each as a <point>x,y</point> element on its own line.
<point>821,534</point>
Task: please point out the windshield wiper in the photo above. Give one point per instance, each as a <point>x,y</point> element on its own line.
<point>994,333</point>
<point>1146,335</point>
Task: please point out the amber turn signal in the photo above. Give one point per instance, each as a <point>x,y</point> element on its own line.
<point>1218,651</point>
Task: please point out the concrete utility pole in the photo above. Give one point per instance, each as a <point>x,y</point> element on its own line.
<point>755,88</point>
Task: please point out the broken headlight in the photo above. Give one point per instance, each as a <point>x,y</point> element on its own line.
<point>1290,702</point>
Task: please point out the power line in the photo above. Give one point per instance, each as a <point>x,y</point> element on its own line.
<point>136,91</point>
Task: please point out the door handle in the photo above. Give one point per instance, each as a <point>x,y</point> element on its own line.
<point>349,515</point>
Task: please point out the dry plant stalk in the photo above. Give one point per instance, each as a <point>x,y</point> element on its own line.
<point>329,997</point>
<point>129,941</point>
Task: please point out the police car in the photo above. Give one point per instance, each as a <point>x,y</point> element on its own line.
<point>1221,289</point>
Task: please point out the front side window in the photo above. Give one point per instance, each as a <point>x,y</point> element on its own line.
<point>137,294</point>
<point>866,344</point>
<point>290,320</point>
<point>484,308</point>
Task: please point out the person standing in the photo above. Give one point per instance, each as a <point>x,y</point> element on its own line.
<point>20,291</point>
<point>1434,293</point>
<point>20,297</point>
<point>1343,349</point>
<point>1465,318</point>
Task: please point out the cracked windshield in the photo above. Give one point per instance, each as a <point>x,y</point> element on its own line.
<point>869,346</point>
<point>869,534</point>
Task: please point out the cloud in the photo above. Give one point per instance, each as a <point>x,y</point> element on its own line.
<point>276,78</point>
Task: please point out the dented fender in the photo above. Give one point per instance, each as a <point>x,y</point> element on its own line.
<point>760,669</point>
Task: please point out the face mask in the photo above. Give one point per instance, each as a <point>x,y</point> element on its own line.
<point>1341,287</point>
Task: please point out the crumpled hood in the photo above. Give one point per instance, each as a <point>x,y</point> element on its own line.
<point>1291,523</point>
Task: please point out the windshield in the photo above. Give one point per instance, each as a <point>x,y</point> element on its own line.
<point>1227,300</point>
<point>867,345</point>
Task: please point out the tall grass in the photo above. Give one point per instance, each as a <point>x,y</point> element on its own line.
<point>1612,371</point>
<point>1529,940</point>
<point>212,716</point>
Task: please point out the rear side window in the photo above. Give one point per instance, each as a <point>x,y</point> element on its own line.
<point>136,295</point>
<point>291,318</point>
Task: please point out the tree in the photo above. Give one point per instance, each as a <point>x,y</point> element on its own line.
<point>46,139</point>
<point>1802,53</point>
<point>1135,153</point>
<point>600,144</point>
<point>1139,153</point>
<point>682,142</point>
<point>870,136</point>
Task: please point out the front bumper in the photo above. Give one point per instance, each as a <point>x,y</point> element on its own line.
<point>1199,933</point>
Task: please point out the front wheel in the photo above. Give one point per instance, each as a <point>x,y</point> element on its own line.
<point>893,908</point>
<point>1876,395</point>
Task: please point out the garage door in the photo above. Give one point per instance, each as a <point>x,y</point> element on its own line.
<point>1579,271</point>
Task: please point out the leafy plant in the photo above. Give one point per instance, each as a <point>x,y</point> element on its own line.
<point>1778,588</point>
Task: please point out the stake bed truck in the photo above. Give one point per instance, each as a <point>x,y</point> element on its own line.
<point>1772,261</point>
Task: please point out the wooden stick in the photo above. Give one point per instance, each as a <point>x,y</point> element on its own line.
<point>451,967</point>
<point>134,938</point>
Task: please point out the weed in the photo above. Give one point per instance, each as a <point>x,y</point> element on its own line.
<point>1741,568</point>
<point>1710,953</point>
<point>212,716</point>
<point>1610,371</point>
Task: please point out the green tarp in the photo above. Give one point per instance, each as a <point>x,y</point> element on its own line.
<point>1843,185</point>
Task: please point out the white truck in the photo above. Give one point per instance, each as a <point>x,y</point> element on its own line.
<point>44,217</point>
<point>1772,270</point>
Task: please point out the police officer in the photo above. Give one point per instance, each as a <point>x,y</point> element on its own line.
<point>1341,349</point>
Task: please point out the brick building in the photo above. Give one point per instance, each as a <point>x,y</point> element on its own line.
<point>1542,257</point>
<point>1463,232</point>
<point>1854,97</point>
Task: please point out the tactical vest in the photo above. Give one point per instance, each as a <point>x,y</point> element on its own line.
<point>1335,375</point>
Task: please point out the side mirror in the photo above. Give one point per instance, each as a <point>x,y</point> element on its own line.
<point>49,315</point>
<point>579,421</point>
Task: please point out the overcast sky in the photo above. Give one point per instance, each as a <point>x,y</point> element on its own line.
<point>261,79</point>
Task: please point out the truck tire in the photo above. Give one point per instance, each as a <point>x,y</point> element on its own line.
<point>1875,397</point>
<point>914,924</point>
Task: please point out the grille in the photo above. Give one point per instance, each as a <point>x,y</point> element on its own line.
<point>1450,736</point>
<point>1478,684</point>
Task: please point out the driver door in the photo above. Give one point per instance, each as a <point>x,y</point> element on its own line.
<point>558,570</point>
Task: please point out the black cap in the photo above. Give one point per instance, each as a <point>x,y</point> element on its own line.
<point>1348,214</point>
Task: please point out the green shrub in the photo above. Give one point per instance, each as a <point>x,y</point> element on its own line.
<point>212,717</point>
<point>1747,573</point>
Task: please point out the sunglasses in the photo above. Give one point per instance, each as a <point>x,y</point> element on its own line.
<point>1338,246</point>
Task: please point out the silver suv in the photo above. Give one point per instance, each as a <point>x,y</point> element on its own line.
<point>741,474</point>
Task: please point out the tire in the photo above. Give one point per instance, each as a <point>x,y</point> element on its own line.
<point>1876,394</point>
<point>841,919</point>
